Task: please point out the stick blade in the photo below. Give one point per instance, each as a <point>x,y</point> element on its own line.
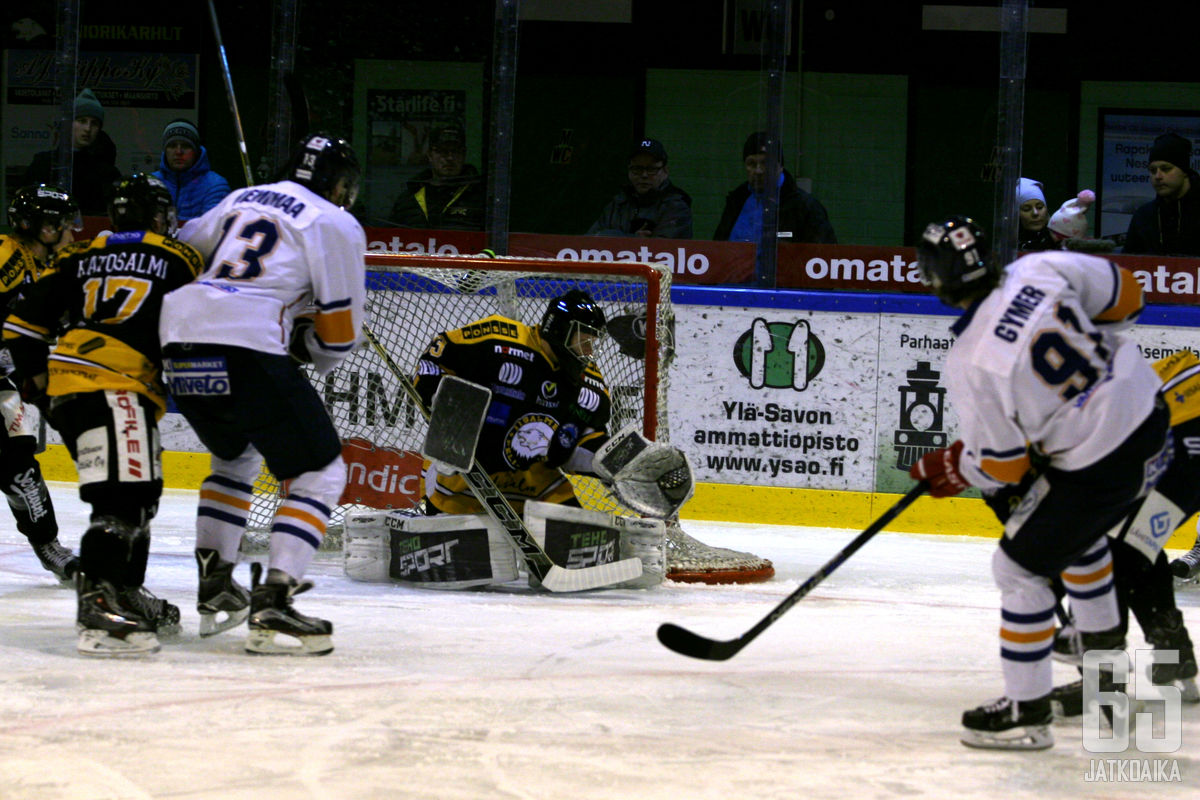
<point>560,579</point>
<point>686,643</point>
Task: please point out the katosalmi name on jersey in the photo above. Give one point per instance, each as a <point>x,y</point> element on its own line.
<point>273,252</point>
<point>1041,362</point>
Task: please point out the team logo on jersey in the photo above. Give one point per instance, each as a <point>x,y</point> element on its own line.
<point>549,390</point>
<point>511,373</point>
<point>528,439</point>
<point>779,355</point>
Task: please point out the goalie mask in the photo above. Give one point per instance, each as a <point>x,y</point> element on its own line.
<point>954,258</point>
<point>140,203</point>
<point>320,162</point>
<point>573,326</point>
<point>34,207</point>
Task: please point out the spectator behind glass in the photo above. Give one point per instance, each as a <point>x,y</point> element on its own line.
<point>802,218</point>
<point>94,159</point>
<point>1169,225</point>
<point>1031,208</point>
<point>185,170</point>
<point>447,196</point>
<point>649,204</point>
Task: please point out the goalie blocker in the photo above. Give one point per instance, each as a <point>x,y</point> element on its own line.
<point>462,551</point>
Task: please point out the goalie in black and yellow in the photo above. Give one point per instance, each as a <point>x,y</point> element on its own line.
<point>545,414</point>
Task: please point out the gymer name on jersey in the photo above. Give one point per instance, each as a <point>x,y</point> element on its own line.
<point>289,205</point>
<point>1018,312</point>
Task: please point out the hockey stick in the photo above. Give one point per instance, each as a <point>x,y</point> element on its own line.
<point>552,577</point>
<point>233,107</point>
<point>690,644</point>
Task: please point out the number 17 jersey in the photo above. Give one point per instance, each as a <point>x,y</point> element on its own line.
<point>272,252</point>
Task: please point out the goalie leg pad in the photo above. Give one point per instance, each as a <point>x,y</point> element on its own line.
<point>580,537</point>
<point>448,551</point>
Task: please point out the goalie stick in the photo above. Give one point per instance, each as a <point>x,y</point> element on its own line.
<point>686,643</point>
<point>552,577</point>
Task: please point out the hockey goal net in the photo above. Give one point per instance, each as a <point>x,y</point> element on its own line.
<point>411,298</point>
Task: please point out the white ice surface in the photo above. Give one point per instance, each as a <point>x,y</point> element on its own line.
<point>855,693</point>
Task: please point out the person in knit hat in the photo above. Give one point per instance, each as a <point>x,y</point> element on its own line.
<point>802,218</point>
<point>1031,208</point>
<point>186,171</point>
<point>1070,221</point>
<point>94,158</point>
<point>1169,225</point>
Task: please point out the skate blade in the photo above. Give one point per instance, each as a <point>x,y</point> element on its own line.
<point>214,622</point>
<point>100,643</point>
<point>1028,737</point>
<point>275,643</point>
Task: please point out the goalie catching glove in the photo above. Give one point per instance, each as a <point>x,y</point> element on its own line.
<point>651,478</point>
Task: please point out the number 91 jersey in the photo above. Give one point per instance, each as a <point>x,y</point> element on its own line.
<point>272,252</point>
<point>1040,362</point>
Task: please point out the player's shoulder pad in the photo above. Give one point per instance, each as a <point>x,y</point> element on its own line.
<point>1174,364</point>
<point>185,251</point>
<point>493,327</point>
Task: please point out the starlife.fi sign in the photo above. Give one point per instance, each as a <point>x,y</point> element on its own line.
<point>778,355</point>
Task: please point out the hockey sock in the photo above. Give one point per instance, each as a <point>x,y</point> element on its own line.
<point>221,517</point>
<point>115,551</point>
<point>1026,628</point>
<point>296,534</point>
<point>1089,584</point>
<point>26,492</point>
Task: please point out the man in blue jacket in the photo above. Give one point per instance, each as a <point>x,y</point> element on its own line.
<point>187,173</point>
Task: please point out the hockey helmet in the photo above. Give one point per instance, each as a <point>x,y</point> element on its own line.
<point>954,258</point>
<point>35,206</point>
<point>572,325</point>
<point>321,161</point>
<point>137,202</point>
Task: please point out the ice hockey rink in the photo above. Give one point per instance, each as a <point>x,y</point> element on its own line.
<point>855,693</point>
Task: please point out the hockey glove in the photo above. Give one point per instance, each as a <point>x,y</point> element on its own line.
<point>940,470</point>
<point>297,346</point>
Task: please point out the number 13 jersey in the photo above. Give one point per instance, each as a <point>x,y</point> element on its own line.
<point>1040,363</point>
<point>272,252</point>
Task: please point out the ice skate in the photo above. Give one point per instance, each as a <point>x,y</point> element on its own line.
<point>223,603</point>
<point>106,626</point>
<point>1007,724</point>
<point>1070,644</point>
<point>1186,568</point>
<point>58,560</point>
<point>1066,701</point>
<point>164,615</point>
<point>1170,634</point>
<point>272,616</point>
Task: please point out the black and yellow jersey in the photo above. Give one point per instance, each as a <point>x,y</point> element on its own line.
<point>1180,374</point>
<point>18,267</point>
<point>101,301</point>
<point>533,399</point>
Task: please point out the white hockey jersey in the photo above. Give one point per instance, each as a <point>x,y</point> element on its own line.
<point>1040,363</point>
<point>273,251</point>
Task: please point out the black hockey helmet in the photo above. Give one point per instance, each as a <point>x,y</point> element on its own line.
<point>954,258</point>
<point>43,204</point>
<point>138,200</point>
<point>320,161</point>
<point>572,325</point>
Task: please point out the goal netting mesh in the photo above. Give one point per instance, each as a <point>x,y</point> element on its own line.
<point>411,298</point>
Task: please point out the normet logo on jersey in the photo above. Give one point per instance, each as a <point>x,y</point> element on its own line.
<point>779,355</point>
